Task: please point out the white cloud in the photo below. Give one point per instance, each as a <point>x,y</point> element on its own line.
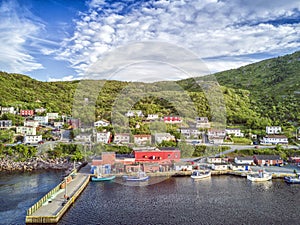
<point>210,28</point>
<point>66,78</point>
<point>17,32</point>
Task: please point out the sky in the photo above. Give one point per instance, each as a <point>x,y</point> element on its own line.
<point>52,40</point>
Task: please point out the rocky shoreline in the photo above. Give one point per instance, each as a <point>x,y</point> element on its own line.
<point>36,163</point>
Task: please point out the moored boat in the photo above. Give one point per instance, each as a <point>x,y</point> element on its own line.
<point>103,178</point>
<point>260,176</point>
<point>292,180</point>
<point>199,174</point>
<point>141,176</point>
<point>98,175</point>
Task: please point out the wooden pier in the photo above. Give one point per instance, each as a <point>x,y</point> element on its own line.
<point>50,208</point>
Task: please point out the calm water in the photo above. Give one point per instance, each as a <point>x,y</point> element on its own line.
<point>218,200</point>
<point>19,191</point>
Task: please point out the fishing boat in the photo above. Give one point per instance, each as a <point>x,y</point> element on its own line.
<point>140,176</point>
<point>260,176</point>
<point>199,174</point>
<point>98,175</point>
<point>292,180</point>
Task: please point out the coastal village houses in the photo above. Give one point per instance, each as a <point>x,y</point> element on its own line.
<point>202,122</point>
<point>52,116</point>
<point>42,120</point>
<point>244,160</point>
<point>273,129</point>
<point>236,132</point>
<point>142,139</point>
<point>26,130</point>
<point>269,160</point>
<point>31,123</point>
<point>32,139</point>
<point>160,137</point>
<point>10,110</point>
<point>122,138</point>
<point>172,119</point>
<point>5,124</point>
<point>216,136</point>
<point>26,112</point>
<point>274,139</point>
<point>103,137</point>
<point>101,123</point>
<point>190,132</point>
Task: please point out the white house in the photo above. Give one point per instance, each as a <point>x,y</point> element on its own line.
<point>42,120</point>
<point>216,136</point>
<point>40,110</point>
<point>133,113</point>
<point>190,132</point>
<point>152,117</point>
<point>244,160</point>
<point>243,167</point>
<point>5,124</point>
<point>202,122</point>
<point>32,139</point>
<point>142,139</point>
<point>273,129</point>
<point>160,137</point>
<point>216,160</point>
<point>274,139</point>
<point>26,130</point>
<point>101,123</point>
<point>220,166</point>
<point>179,166</point>
<point>122,138</point>
<point>7,110</point>
<point>103,137</point>
<point>52,116</point>
<point>31,123</point>
<point>235,132</point>
<point>84,137</point>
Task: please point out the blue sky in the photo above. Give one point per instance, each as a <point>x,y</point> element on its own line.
<point>61,39</point>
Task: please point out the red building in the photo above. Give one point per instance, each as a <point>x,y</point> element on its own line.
<point>172,119</point>
<point>267,160</point>
<point>157,155</point>
<point>26,112</point>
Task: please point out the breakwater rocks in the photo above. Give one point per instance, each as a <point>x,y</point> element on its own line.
<point>35,164</point>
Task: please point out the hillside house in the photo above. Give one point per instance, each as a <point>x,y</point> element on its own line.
<point>32,139</point>
<point>122,138</point>
<point>10,110</point>
<point>236,132</point>
<point>52,116</point>
<point>160,137</point>
<point>274,139</point>
<point>142,139</point>
<point>273,129</point>
<point>26,112</point>
<point>202,122</point>
<point>26,130</point>
<point>31,123</point>
<point>101,123</point>
<point>134,113</point>
<point>5,124</point>
<point>103,137</point>
<point>172,119</point>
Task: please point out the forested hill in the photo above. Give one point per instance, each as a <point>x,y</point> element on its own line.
<point>274,85</point>
<point>260,94</point>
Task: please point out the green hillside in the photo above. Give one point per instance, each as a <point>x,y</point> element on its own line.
<point>274,85</point>
<point>260,94</point>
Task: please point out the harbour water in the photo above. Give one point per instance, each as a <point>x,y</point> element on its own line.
<point>217,200</point>
<point>19,191</point>
<point>180,200</point>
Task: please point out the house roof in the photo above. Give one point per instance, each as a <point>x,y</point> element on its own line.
<point>267,157</point>
<point>244,158</point>
<point>275,136</point>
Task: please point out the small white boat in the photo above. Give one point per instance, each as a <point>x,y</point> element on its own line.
<point>98,175</point>
<point>200,174</point>
<point>260,176</point>
<point>141,176</point>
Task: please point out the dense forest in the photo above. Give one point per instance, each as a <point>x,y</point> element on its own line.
<point>253,96</point>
